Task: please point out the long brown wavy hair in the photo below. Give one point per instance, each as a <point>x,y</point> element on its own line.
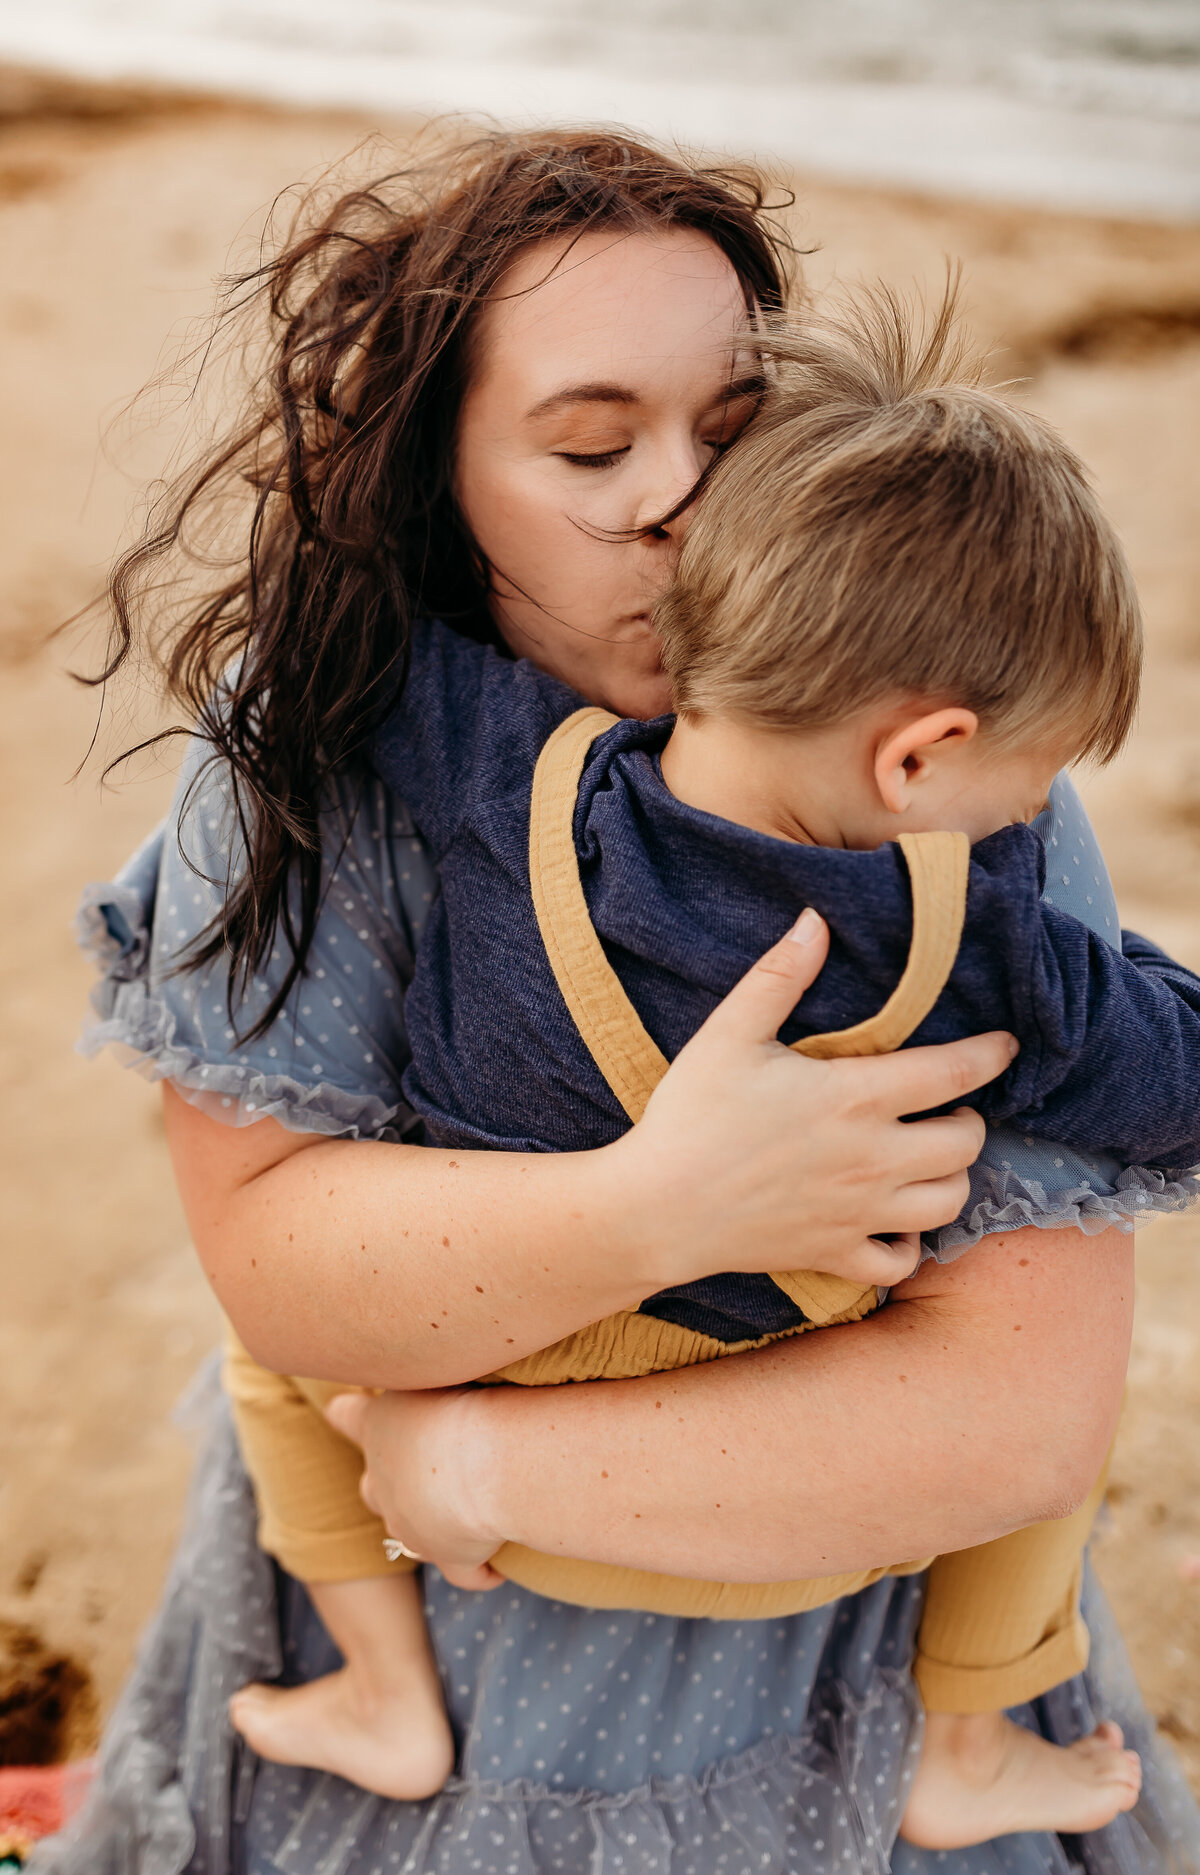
<point>291,638</point>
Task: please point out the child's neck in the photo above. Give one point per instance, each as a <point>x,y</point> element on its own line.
<point>814,787</point>
<point>911,766</point>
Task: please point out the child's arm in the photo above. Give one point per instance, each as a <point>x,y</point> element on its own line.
<point>1155,962</point>
<point>1120,1068</point>
<point>1110,1040</point>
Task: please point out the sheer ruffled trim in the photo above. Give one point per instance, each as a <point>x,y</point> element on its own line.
<point>111,929</point>
<point>1002,1200</point>
<point>142,1030</point>
<point>809,1801</point>
<point>140,1025</point>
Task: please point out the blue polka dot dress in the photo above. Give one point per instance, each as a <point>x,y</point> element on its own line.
<point>590,1742</point>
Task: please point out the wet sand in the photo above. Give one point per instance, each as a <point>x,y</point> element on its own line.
<point>116,212</point>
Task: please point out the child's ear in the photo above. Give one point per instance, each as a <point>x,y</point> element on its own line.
<point>909,756</point>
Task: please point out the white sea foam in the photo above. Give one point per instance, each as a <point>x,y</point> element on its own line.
<point>1083,103</point>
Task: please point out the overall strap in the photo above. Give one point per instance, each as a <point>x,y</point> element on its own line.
<point>938,864</point>
<point>612,1030</point>
<point>614,1033</point>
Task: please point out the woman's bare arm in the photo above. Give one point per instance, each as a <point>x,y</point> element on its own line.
<point>984,1397</point>
<point>403,1266</point>
<point>395,1265</point>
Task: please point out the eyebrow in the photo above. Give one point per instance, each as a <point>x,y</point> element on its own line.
<point>583,394</point>
<point>746,386</point>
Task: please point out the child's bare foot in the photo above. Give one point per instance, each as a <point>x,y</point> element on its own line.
<point>397,1744</point>
<point>982,1776</point>
<point>380,1721</point>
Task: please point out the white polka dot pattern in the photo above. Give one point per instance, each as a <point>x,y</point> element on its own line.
<point>591,1743</point>
<point>331,1062</point>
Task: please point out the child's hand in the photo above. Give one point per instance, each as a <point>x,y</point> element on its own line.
<point>410,1442</point>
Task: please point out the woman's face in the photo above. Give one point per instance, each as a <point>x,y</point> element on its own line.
<point>605,381</point>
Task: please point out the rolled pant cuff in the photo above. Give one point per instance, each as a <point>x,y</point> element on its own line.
<point>945,1688</point>
<point>331,1555</point>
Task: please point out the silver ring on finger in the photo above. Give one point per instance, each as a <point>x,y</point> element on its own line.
<point>394,1549</point>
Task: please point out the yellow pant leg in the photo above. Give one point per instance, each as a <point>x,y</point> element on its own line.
<point>1002,1621</point>
<point>311,1516</point>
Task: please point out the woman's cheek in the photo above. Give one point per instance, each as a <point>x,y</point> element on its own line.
<point>567,564</point>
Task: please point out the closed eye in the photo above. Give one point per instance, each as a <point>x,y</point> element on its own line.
<point>719,444</point>
<point>741,405</point>
<point>604,461</point>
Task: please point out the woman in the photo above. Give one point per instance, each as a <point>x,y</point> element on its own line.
<point>494,401</point>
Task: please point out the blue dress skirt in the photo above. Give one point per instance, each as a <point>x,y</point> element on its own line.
<point>591,1743</point>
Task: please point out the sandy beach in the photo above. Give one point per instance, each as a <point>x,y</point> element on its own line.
<point>117,210</point>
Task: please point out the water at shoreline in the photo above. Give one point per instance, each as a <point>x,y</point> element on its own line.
<point>1079,103</point>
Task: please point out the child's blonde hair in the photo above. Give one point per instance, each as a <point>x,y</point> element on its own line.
<point>885,527</point>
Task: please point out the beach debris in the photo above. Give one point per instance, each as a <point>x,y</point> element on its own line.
<point>47,1703</point>
<point>36,1800</point>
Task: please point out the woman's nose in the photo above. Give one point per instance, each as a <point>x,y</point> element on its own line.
<point>676,528</point>
<point>665,505</point>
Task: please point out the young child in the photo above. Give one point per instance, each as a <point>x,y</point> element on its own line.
<point>899,613</point>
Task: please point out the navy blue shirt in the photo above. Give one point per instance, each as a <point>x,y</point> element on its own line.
<point>684,902</point>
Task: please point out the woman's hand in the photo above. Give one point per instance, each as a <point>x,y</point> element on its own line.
<point>753,1157</point>
<point>404,1266</point>
<point>419,1455</point>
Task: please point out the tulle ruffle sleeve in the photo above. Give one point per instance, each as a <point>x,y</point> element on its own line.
<point>332,1060</point>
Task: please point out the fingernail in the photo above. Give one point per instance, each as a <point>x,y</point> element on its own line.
<point>806,927</point>
<point>1014,1046</point>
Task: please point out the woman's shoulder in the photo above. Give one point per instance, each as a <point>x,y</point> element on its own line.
<point>1077,879</point>
<point>331,1060</point>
